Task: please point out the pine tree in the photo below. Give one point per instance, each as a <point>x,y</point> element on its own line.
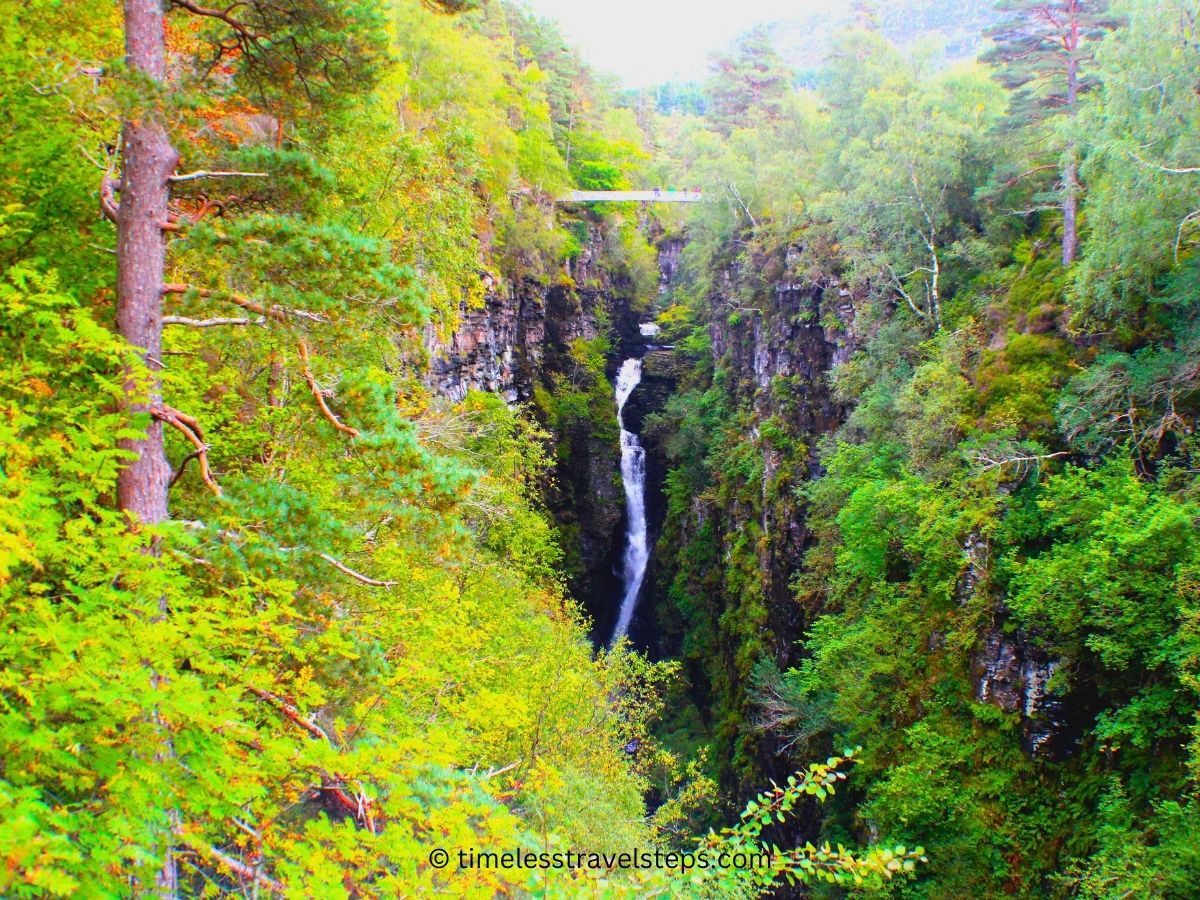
<point>1042,50</point>
<point>752,77</point>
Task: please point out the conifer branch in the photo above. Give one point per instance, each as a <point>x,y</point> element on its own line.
<point>221,14</point>
<point>319,395</point>
<point>278,313</point>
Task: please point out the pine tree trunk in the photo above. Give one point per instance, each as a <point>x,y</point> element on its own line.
<point>1071,173</point>
<point>148,162</point>
<point>1070,208</point>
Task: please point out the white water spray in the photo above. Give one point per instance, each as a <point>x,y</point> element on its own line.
<point>633,474</point>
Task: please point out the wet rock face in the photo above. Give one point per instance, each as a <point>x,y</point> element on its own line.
<point>1012,674</point>
<point>780,353</point>
<point>670,257</point>
<point>497,348</point>
<point>521,337</point>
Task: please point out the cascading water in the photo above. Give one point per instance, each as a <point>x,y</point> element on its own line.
<point>633,474</point>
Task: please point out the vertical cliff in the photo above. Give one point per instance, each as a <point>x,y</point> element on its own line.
<point>741,437</point>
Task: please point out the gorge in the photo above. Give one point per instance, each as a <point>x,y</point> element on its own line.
<point>399,470</point>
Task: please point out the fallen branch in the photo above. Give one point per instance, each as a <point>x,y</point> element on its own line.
<point>278,313</point>
<point>190,429</point>
<point>319,396</point>
<point>492,773</point>
<point>359,806</point>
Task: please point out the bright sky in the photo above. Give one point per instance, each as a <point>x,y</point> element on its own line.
<point>650,41</point>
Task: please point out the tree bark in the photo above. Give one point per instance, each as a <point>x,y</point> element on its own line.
<point>1070,208</point>
<point>1071,173</point>
<point>148,162</point>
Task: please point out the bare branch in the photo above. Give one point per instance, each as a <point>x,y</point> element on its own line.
<point>319,395</point>
<point>222,14</point>
<point>108,197</point>
<point>342,567</point>
<point>292,714</point>
<point>189,427</point>
<point>239,868</point>
<point>1190,170</point>
<point>196,176</point>
<point>738,197</point>
<point>898,284</point>
<point>210,323</point>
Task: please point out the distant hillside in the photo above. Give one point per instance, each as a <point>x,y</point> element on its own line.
<point>803,40</point>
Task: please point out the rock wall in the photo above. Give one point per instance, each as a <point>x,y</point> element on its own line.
<point>776,334</point>
<point>522,331</point>
<point>498,347</point>
<point>520,340</point>
<point>778,353</point>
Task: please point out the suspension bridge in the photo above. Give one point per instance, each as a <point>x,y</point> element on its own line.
<point>655,196</point>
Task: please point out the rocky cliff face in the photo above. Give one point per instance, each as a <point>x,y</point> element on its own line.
<point>1014,675</point>
<point>522,331</point>
<point>731,549</point>
<point>778,354</point>
<point>497,348</point>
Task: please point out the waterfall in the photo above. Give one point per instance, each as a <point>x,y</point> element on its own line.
<point>633,475</point>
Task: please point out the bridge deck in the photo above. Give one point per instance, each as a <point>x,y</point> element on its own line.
<point>631,196</point>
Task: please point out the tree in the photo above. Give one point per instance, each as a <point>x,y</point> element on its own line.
<point>148,163</point>
<point>275,49</point>
<point>286,56</point>
<point>903,195</point>
<point>1143,163</point>
<point>752,77</point>
<point>1042,50</point>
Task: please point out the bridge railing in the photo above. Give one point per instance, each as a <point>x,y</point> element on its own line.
<point>658,195</point>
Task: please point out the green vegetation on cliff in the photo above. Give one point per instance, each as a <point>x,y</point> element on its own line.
<point>975,467</point>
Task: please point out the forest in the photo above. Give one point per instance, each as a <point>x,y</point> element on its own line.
<point>331,421</point>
